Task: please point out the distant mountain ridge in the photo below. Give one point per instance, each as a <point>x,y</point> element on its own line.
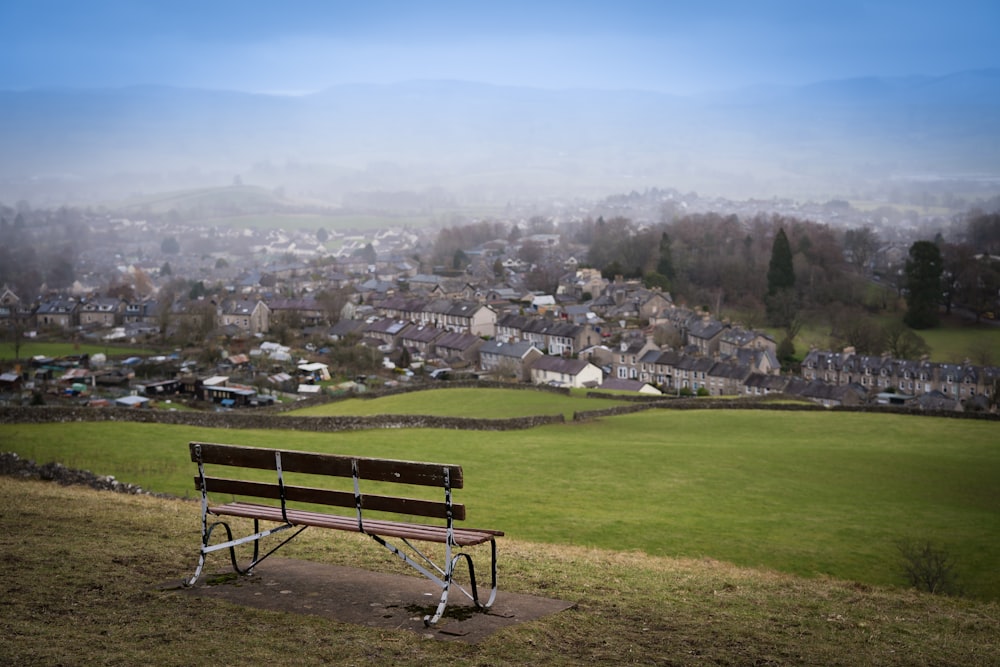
<point>497,142</point>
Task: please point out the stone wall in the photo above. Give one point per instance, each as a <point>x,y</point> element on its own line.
<point>252,419</point>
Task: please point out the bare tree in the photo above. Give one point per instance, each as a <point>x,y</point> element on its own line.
<point>902,342</point>
<point>928,567</point>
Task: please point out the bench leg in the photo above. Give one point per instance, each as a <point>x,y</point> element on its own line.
<point>231,545</point>
<point>444,582</point>
<point>474,596</point>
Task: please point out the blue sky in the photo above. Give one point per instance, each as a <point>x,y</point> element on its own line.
<point>672,46</point>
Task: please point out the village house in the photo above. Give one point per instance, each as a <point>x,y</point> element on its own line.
<point>305,312</point>
<point>463,316</point>
<point>614,384</point>
<point>737,338</point>
<point>831,396</point>
<point>762,384</point>
<point>582,283</point>
<point>727,378</point>
<point>458,349</point>
<point>345,328</point>
<point>141,312</point>
<point>563,372</point>
<point>452,315</point>
<point>557,337</point>
<point>102,312</point>
<point>629,300</point>
<point>58,312</point>
<point>419,340</point>
<point>879,374</point>
<point>250,316</point>
<point>657,367</point>
<point>704,333</point>
<point>511,360</point>
<point>626,360</point>
<point>402,307</point>
<point>759,361</point>
<point>385,332</point>
<point>10,306</point>
<point>692,373</point>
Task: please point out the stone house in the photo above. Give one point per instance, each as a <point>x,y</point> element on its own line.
<point>704,333</point>
<point>558,337</point>
<point>102,312</point>
<point>384,330</point>
<point>141,312</point>
<point>449,314</point>
<point>659,367</point>
<point>512,359</point>
<point>307,312</point>
<point>344,328</point>
<point>58,312</point>
<point>626,361</point>
<point>692,373</point>
<point>457,348</point>
<point>419,340</point>
<point>762,384</point>
<point>877,374</point>
<point>831,396</point>
<point>737,338</point>
<point>727,378</point>
<point>250,316</point>
<point>12,308</point>
<point>464,316</point>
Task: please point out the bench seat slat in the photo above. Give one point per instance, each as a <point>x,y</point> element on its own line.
<point>305,494</point>
<point>463,536</point>
<point>382,470</point>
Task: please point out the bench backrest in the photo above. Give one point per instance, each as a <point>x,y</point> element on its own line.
<point>444,476</point>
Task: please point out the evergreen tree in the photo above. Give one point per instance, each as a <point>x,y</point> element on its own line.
<point>170,246</point>
<point>780,272</point>
<point>368,254</point>
<point>923,284</point>
<point>665,265</point>
<point>780,300</point>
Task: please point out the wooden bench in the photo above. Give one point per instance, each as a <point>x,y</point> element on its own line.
<point>285,508</point>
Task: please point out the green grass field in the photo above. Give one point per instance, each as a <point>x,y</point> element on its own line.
<point>815,494</point>
<point>474,403</point>
<point>956,340</point>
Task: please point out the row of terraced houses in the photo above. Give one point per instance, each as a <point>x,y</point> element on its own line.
<point>714,357</point>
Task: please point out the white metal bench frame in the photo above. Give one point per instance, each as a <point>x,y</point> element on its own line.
<point>379,530</point>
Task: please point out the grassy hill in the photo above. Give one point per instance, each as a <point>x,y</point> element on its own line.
<point>816,493</point>
<point>84,569</point>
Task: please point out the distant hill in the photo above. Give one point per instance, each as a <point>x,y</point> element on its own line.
<point>495,142</point>
<point>206,202</point>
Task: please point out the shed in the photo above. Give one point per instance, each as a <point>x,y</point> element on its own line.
<point>132,402</point>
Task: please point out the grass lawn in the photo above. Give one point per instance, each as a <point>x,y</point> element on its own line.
<point>84,574</point>
<point>953,342</point>
<point>464,402</point>
<point>33,349</point>
<point>807,493</point>
<point>957,339</point>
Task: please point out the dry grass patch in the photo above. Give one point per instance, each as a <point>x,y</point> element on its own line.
<point>83,571</point>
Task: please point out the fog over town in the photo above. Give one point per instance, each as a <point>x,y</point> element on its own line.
<point>319,165</point>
